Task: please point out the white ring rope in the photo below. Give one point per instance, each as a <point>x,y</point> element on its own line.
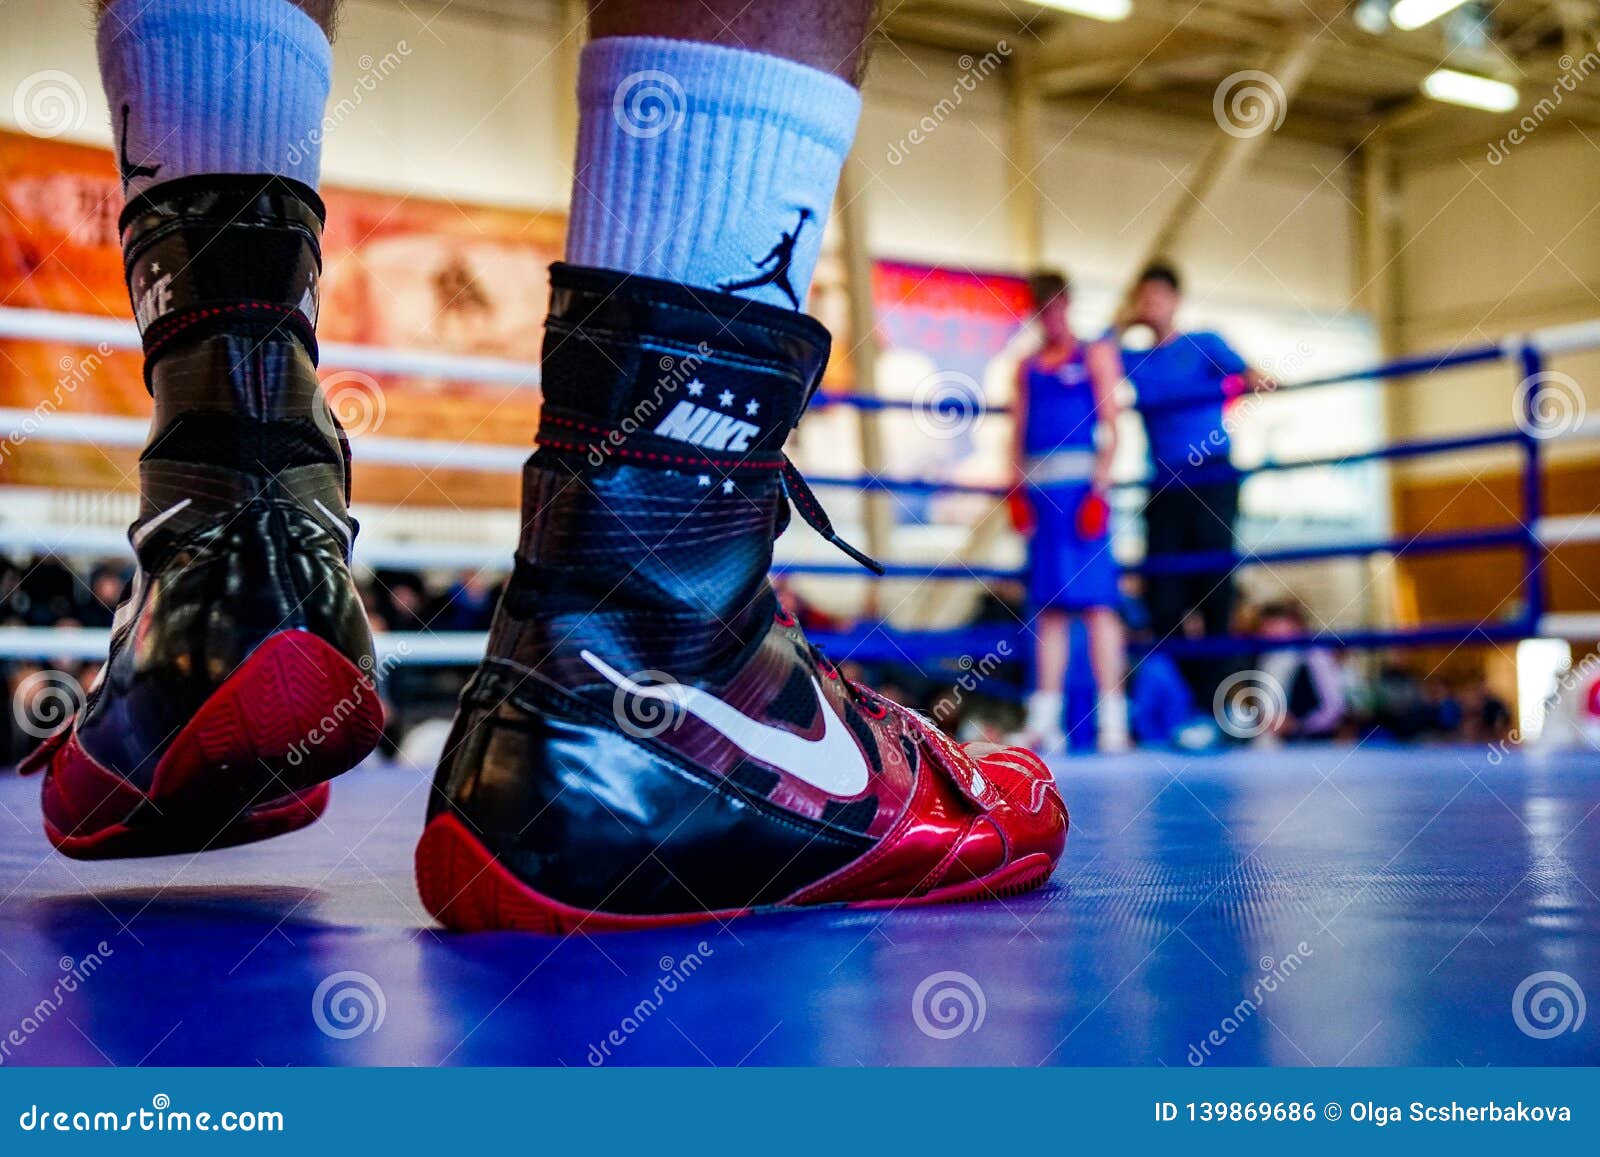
<point>465,648</point>
<point>443,648</point>
<point>20,425</point>
<point>103,542</point>
<point>83,329</point>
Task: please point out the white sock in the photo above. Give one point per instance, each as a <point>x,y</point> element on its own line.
<point>697,162</point>
<point>1111,720</point>
<point>214,86</point>
<point>1044,713</point>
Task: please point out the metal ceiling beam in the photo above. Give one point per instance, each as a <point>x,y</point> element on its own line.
<point>1231,153</point>
<point>1171,21</point>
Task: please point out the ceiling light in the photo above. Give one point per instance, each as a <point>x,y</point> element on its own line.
<point>1109,10</point>
<point>1409,14</point>
<point>1372,16</point>
<point>1464,88</point>
<point>1470,29</point>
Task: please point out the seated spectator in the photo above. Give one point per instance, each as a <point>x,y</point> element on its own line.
<point>1444,709</point>
<point>1399,704</point>
<point>402,600</point>
<point>468,605</point>
<point>48,592</point>
<point>1485,718</point>
<point>1161,707</point>
<point>106,585</point>
<point>10,590</point>
<point>1312,682</point>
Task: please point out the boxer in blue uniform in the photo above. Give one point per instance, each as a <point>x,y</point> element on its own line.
<point>1066,424</point>
<point>1183,383</point>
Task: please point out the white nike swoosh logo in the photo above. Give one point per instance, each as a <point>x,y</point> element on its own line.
<point>145,531</point>
<point>833,764</point>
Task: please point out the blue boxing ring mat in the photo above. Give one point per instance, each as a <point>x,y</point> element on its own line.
<point>1357,905</point>
<point>1362,905</point>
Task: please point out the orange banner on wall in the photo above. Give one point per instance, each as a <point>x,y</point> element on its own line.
<point>399,272</point>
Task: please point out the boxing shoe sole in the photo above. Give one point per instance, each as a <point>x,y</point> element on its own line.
<point>252,763</point>
<point>468,890</point>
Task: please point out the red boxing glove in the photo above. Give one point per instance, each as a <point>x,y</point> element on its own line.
<point>1094,515</point>
<point>1021,512</point>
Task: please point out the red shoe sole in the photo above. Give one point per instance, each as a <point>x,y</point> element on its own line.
<point>294,715</point>
<point>263,822</point>
<point>468,890</point>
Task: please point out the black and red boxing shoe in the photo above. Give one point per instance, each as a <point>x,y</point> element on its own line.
<point>651,740</point>
<point>240,677</point>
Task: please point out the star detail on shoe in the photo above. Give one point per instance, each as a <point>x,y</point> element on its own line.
<point>696,388</point>
<point>704,480</point>
<point>725,398</point>
<point>727,485</point>
<point>752,408</point>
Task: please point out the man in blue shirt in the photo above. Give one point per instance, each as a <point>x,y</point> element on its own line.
<point>1183,382</point>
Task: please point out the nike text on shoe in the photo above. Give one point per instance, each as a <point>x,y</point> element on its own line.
<point>650,739</point>
<point>241,676</point>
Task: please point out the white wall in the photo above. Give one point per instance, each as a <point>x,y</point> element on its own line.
<point>1494,249</point>
<point>468,113</point>
<point>472,111</point>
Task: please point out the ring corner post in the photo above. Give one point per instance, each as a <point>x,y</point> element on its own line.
<point>1531,365</point>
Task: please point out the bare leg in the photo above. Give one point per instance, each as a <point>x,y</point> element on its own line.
<point>1052,653</point>
<point>824,34</point>
<point>1108,652</point>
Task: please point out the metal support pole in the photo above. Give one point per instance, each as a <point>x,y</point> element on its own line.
<point>852,217</point>
<point>1531,362</point>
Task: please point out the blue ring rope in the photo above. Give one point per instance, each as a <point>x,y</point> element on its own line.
<point>879,642</point>
<point>1218,472</point>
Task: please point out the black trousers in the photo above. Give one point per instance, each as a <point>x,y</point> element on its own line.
<point>1181,518</point>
